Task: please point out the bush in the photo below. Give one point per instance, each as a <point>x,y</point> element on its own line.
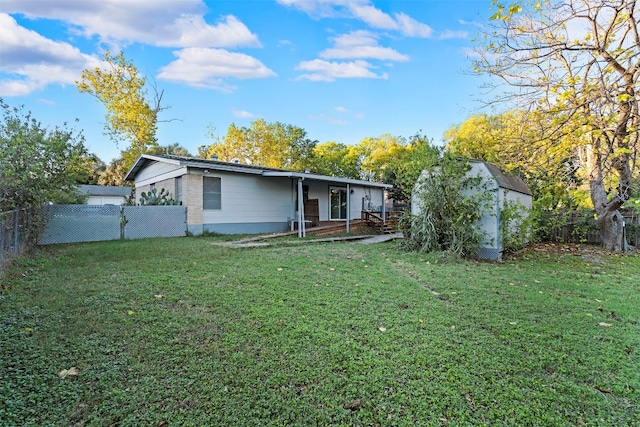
<point>450,204</point>
<point>37,165</point>
<point>515,226</point>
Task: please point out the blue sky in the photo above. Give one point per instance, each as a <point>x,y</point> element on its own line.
<point>343,70</point>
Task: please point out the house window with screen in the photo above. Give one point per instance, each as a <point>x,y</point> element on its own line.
<point>211,193</point>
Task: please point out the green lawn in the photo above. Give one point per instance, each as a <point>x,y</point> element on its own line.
<point>183,331</point>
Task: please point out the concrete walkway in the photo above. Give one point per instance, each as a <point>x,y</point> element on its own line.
<point>259,241</point>
<point>381,238</point>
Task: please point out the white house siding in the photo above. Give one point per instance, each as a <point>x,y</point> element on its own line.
<point>169,186</point>
<point>158,171</point>
<point>375,197</point>
<point>320,190</point>
<point>251,204</point>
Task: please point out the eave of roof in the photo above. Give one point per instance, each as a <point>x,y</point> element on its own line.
<point>506,180</point>
<point>192,162</point>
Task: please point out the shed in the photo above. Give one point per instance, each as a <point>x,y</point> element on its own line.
<point>105,194</point>
<point>505,187</point>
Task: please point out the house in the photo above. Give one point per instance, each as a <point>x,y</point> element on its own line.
<point>105,195</point>
<point>234,198</point>
<point>504,188</point>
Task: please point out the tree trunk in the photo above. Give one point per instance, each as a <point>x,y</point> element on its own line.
<point>610,219</point>
<point>612,231</point>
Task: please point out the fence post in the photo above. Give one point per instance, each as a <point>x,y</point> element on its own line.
<point>123,222</point>
<point>16,232</point>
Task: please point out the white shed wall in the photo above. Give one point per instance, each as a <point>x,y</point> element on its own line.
<point>490,222</point>
<point>105,200</point>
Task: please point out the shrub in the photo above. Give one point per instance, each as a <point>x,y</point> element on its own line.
<point>450,204</point>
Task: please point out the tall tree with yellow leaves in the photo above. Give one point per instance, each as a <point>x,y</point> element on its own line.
<point>576,65</point>
<point>132,117</point>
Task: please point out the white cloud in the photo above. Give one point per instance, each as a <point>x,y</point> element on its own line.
<point>33,61</point>
<point>450,34</point>
<point>243,114</point>
<point>412,28</point>
<point>361,44</point>
<point>320,70</point>
<point>343,110</point>
<point>329,119</point>
<point>364,11</point>
<point>372,16</point>
<point>320,8</point>
<point>472,53</point>
<point>169,23</point>
<point>208,68</point>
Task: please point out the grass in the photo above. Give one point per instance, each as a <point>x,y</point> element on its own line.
<point>187,332</point>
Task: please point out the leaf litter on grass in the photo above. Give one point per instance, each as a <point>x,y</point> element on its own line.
<point>264,335</point>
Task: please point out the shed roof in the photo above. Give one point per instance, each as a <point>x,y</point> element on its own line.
<point>506,180</point>
<point>104,190</point>
<point>194,162</point>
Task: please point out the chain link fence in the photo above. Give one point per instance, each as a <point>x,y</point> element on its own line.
<point>88,223</point>
<point>14,235</point>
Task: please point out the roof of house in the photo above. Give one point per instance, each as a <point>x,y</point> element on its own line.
<point>193,162</point>
<point>104,190</point>
<point>506,180</point>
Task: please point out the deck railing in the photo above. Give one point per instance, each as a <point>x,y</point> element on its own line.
<point>380,224</point>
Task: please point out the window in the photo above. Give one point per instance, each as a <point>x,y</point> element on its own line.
<point>178,192</point>
<point>338,203</point>
<point>211,193</point>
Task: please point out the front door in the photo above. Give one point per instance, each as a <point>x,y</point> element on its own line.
<point>338,203</point>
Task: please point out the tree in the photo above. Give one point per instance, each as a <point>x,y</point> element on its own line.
<point>512,141</point>
<point>336,159</point>
<point>37,165</point>
<point>376,154</point>
<point>93,167</point>
<point>114,173</point>
<point>131,116</point>
<point>274,145</point>
<point>576,64</point>
<point>405,170</point>
<point>174,149</point>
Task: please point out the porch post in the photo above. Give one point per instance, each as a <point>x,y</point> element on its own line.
<point>383,209</point>
<point>348,206</point>
<point>302,232</point>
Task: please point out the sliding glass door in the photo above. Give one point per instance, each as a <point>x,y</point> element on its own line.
<point>337,203</point>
